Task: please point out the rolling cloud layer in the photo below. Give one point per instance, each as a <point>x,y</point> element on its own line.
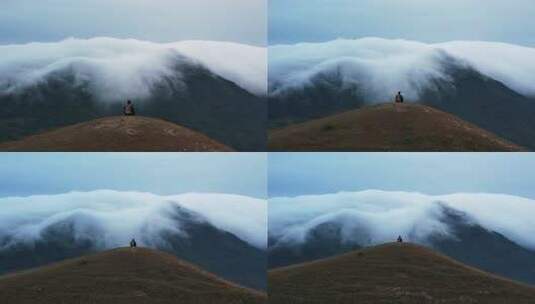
<point>381,67</point>
<point>116,68</point>
<point>382,216</point>
<point>119,216</point>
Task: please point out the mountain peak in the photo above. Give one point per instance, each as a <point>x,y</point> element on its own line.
<point>123,275</point>
<point>118,133</point>
<point>393,273</point>
<point>388,127</point>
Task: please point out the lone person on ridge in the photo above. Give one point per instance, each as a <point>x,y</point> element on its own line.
<point>399,98</point>
<point>128,109</point>
<point>400,240</point>
<point>133,243</point>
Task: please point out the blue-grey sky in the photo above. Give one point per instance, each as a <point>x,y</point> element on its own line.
<point>292,174</point>
<point>241,21</point>
<point>25,174</point>
<point>292,21</point>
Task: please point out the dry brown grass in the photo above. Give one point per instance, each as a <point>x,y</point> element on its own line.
<point>123,276</point>
<point>392,273</point>
<point>120,133</point>
<point>388,127</point>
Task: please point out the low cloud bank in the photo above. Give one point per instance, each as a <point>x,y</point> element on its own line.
<point>381,67</point>
<point>111,218</point>
<point>384,215</point>
<point>121,68</point>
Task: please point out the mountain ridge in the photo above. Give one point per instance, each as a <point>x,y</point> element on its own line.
<point>189,95</point>
<point>453,86</point>
<point>117,133</point>
<point>123,275</point>
<point>399,272</point>
<point>388,127</point>
<point>189,237</point>
<point>465,241</point>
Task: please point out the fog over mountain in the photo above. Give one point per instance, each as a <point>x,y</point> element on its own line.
<point>119,216</point>
<point>380,67</point>
<point>215,88</point>
<point>381,216</point>
<point>492,232</point>
<point>123,68</point>
<point>208,230</point>
<point>488,84</point>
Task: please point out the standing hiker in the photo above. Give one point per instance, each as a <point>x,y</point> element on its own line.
<point>133,243</point>
<point>400,240</point>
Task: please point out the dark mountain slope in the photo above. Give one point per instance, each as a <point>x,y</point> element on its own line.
<point>204,245</point>
<point>487,250</point>
<point>465,93</point>
<point>486,103</point>
<point>195,98</point>
<point>469,243</point>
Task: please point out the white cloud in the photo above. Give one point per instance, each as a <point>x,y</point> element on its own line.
<point>381,67</point>
<point>118,69</point>
<point>243,64</point>
<point>385,215</point>
<point>123,215</point>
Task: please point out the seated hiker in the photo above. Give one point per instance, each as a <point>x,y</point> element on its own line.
<point>128,109</point>
<point>400,240</point>
<point>133,243</point>
<point>399,98</point>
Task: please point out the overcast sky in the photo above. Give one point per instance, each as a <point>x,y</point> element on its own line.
<point>25,174</point>
<point>241,21</point>
<point>430,173</point>
<point>512,21</point>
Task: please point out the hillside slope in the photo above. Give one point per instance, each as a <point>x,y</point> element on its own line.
<point>388,127</point>
<point>467,242</point>
<point>392,273</point>
<point>122,275</point>
<point>189,94</point>
<point>118,133</point>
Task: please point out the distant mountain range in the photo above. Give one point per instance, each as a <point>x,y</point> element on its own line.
<point>178,230</point>
<point>446,229</point>
<point>38,94</point>
<point>323,79</point>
